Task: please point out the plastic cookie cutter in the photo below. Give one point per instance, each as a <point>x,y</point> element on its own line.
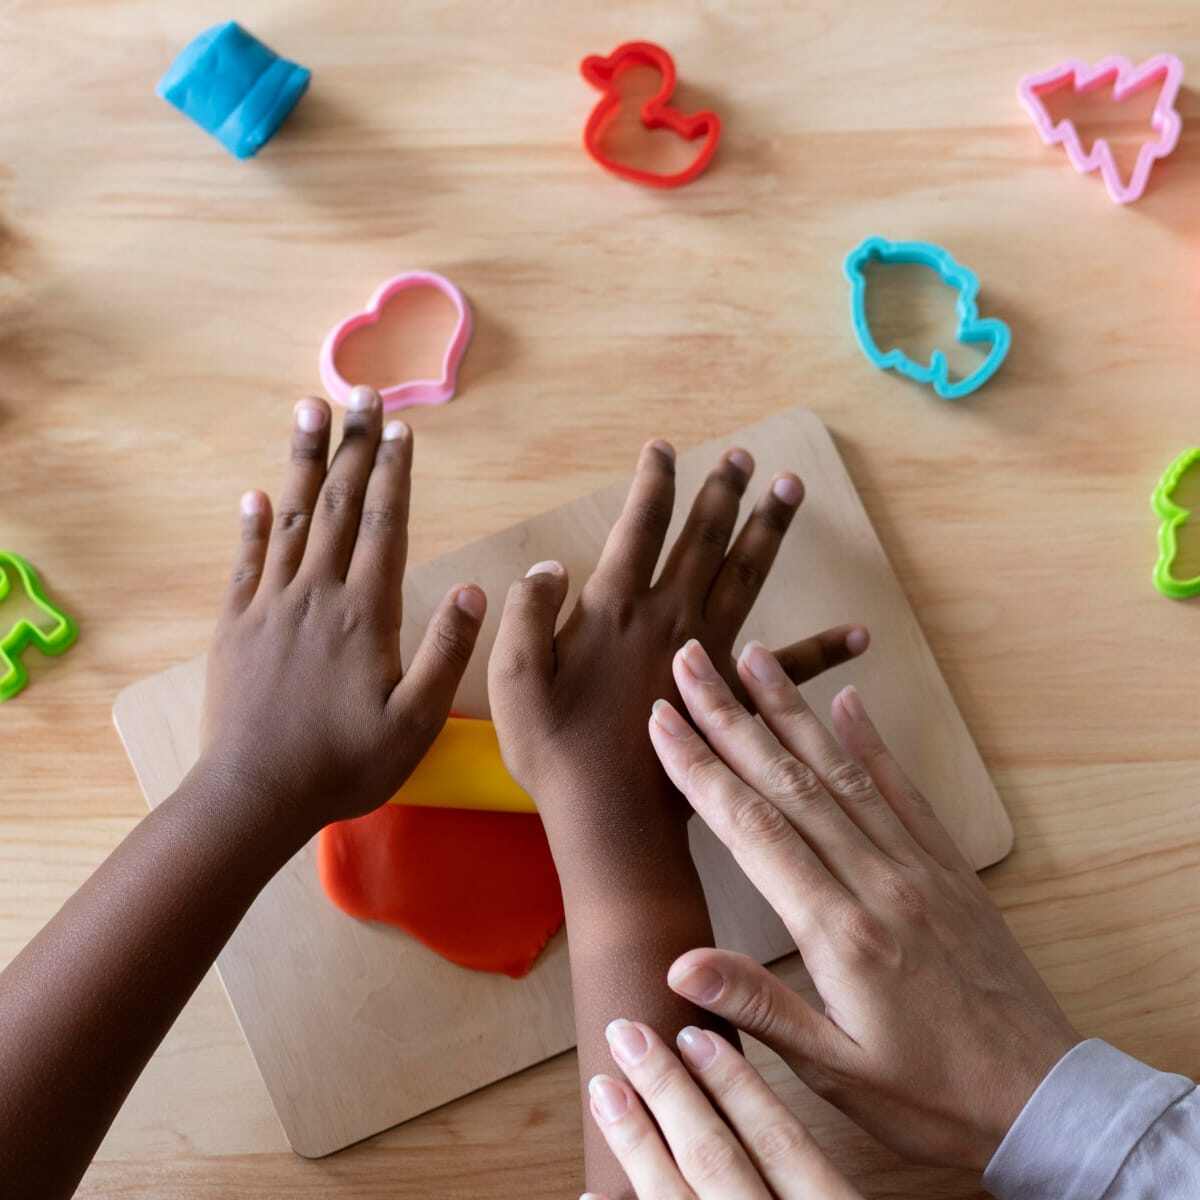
<point>656,113</point>
<point>971,327</point>
<point>234,87</point>
<point>57,638</point>
<point>464,769</point>
<point>1173,516</point>
<point>414,391</point>
<point>1126,80</point>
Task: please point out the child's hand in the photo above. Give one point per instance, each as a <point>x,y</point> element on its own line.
<point>571,710</point>
<point>934,1028</point>
<point>722,1135</point>
<point>308,708</point>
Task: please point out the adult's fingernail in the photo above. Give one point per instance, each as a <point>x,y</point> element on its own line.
<point>696,1046</point>
<point>472,601</point>
<point>762,664</point>
<point>609,1101</point>
<point>857,640</point>
<point>851,701</point>
<point>698,662</point>
<point>668,720</point>
<point>742,461</point>
<point>393,431</point>
<point>252,504</point>
<point>549,567</point>
<point>363,398</point>
<point>701,984</point>
<point>628,1042</point>
<point>788,489</point>
<point>664,448</point>
<point>310,417</point>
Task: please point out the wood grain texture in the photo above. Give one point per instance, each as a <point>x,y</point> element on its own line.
<point>161,306</point>
<point>356,1026</point>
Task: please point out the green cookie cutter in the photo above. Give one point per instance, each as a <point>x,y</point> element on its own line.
<point>1173,517</point>
<point>60,638</point>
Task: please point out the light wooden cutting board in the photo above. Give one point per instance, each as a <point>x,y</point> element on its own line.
<point>355,1026</point>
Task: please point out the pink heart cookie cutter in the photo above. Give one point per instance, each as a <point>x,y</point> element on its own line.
<point>414,391</point>
<point>1126,80</point>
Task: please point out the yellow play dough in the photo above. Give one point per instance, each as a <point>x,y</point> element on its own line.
<point>463,769</point>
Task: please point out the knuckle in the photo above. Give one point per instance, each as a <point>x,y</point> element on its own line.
<point>723,713</point>
<point>787,778</point>
<point>902,895</point>
<point>246,572</point>
<point>758,822</point>
<point>307,451</point>
<point>748,571</point>
<point>778,1143</point>
<point>758,1011</point>
<point>863,937</point>
<point>710,1157</point>
<point>292,519</point>
<point>452,644</point>
<point>337,495</point>
<point>305,600</point>
<point>650,516</point>
<point>713,533</point>
<point>850,781</point>
<point>381,518</point>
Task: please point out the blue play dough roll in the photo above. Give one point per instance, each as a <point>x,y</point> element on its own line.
<point>234,87</point>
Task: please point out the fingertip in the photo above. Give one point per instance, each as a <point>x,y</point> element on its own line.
<point>663,448</point>
<point>254,503</point>
<point>850,702</point>
<point>857,640</point>
<point>363,399</point>
<point>471,600</point>
<point>548,567</point>
<point>397,431</point>
<point>311,414</point>
<point>743,460</point>
<point>788,489</point>
<point>664,716</point>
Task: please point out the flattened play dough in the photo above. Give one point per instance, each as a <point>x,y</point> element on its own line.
<point>479,888</point>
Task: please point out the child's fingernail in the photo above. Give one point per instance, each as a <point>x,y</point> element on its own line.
<point>742,461</point>
<point>310,417</point>
<point>762,664</point>
<point>701,984</point>
<point>363,398</point>
<point>628,1042</point>
<point>788,489</point>
<point>609,1101</point>
<point>664,448</point>
<point>472,601</point>
<point>668,720</point>
<point>549,567</point>
<point>696,1046</point>
<point>252,504</point>
<point>698,662</point>
<point>851,701</point>
<point>394,431</point>
<point>857,640</point>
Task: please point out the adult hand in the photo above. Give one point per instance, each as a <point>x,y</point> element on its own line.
<point>718,1131</point>
<point>936,1028</point>
<point>307,705</point>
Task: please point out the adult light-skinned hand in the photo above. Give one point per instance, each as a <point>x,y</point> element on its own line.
<point>936,1028</point>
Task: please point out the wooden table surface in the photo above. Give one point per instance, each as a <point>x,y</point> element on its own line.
<point>161,306</point>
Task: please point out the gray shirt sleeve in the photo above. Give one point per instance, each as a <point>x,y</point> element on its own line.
<point>1102,1126</point>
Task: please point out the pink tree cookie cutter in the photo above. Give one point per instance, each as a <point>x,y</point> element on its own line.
<point>413,391</point>
<point>1126,80</point>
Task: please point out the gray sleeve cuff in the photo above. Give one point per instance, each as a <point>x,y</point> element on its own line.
<point>1078,1128</point>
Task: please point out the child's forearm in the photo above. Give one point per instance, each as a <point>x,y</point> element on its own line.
<point>84,1005</point>
<point>630,913</point>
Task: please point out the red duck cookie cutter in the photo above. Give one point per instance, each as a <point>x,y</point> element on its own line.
<point>656,113</point>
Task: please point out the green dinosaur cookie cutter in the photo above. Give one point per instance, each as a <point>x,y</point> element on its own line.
<point>53,641</point>
<point>1173,517</point>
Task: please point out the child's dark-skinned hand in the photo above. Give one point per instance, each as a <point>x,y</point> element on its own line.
<point>571,709</point>
<point>307,705</point>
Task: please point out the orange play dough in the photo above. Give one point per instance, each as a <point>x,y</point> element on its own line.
<point>477,887</point>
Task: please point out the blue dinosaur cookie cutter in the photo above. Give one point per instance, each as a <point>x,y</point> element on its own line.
<point>971,327</point>
<point>234,87</point>
<point>58,637</point>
